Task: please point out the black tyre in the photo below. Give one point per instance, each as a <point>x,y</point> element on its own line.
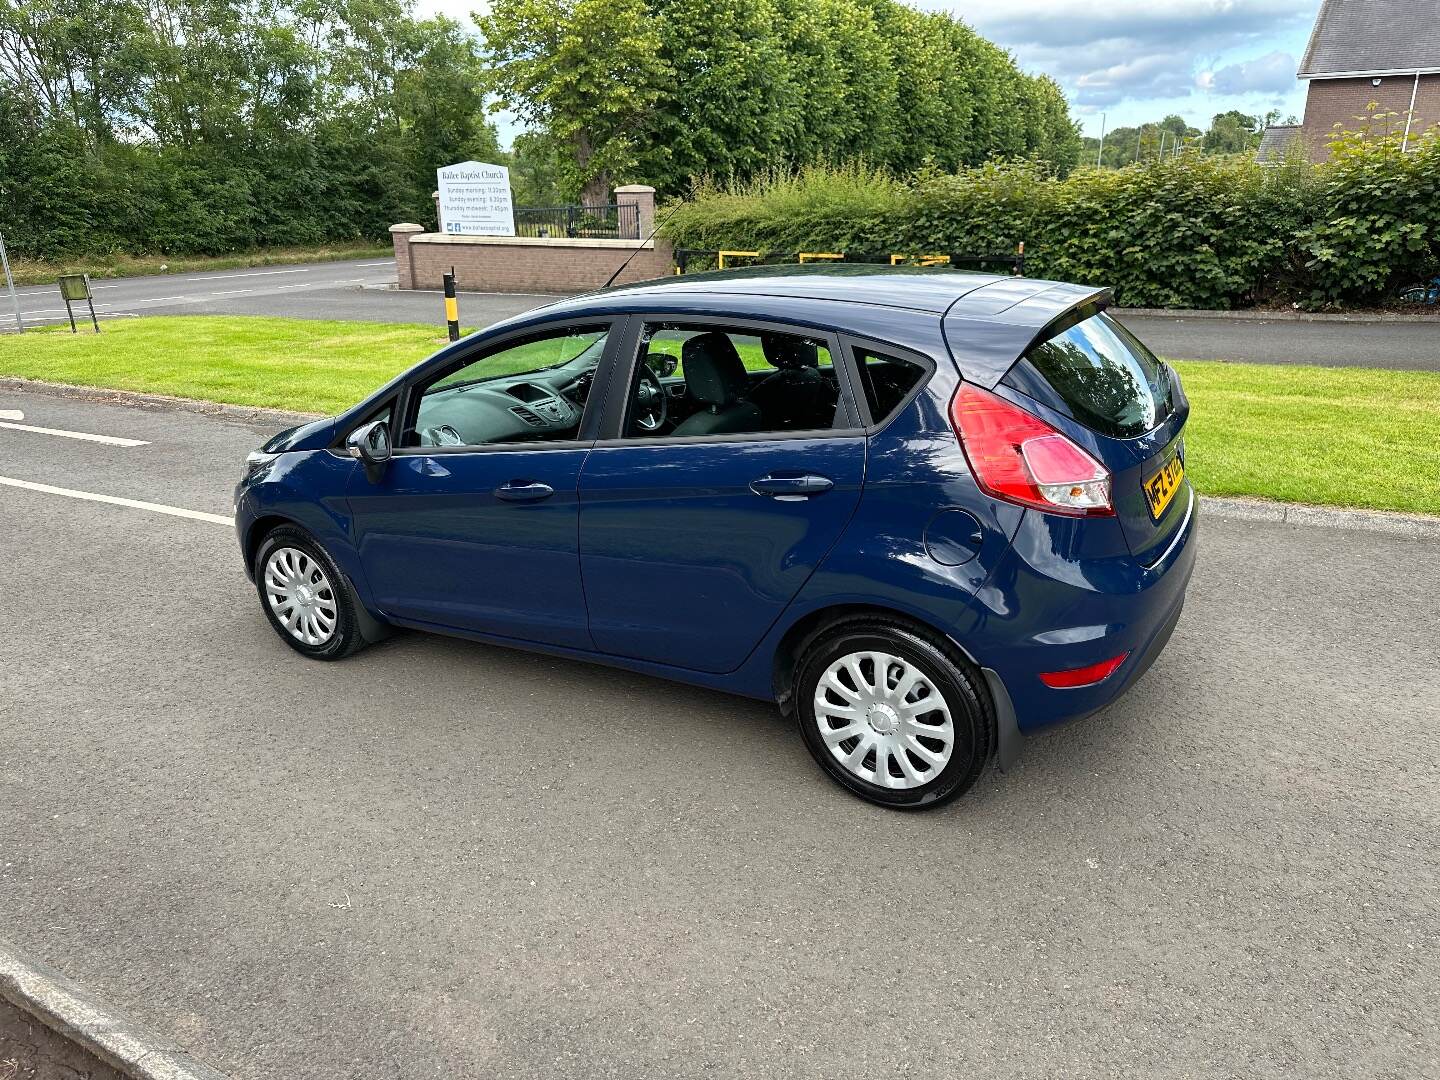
<point>307,599</point>
<point>895,715</point>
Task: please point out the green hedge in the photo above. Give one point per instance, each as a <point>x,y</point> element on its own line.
<point>1192,231</point>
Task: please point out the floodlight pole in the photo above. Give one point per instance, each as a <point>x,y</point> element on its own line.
<point>10,284</point>
<point>1100,152</point>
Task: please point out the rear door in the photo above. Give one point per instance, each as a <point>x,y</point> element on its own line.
<point>1123,404</point>
<point>691,546</point>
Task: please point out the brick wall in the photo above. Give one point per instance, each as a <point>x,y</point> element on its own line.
<point>524,264</point>
<point>1332,101</point>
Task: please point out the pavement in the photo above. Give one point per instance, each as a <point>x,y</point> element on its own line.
<point>355,290</point>
<point>442,859</point>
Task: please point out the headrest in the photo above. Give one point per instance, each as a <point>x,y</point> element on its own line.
<point>787,352</point>
<point>714,372</point>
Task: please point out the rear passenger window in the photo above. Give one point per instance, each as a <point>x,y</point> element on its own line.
<point>887,381</point>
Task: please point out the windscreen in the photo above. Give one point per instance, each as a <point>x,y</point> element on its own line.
<point>1105,378</point>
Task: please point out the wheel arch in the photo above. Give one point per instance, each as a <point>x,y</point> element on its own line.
<point>811,625</point>
<point>260,528</point>
<point>1008,742</point>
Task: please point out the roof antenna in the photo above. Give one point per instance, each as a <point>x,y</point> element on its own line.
<point>641,248</point>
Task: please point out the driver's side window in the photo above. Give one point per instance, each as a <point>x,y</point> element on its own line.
<point>528,391</point>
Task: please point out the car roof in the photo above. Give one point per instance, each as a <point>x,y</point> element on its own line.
<point>919,288</point>
<point>988,320</point>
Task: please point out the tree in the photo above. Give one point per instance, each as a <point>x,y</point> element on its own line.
<point>1232,132</point>
<point>589,73</point>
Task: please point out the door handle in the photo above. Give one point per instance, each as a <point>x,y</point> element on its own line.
<point>524,491</point>
<point>791,488</point>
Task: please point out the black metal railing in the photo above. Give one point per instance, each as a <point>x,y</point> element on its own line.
<point>612,221</point>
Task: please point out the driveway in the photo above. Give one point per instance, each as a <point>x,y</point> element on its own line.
<point>354,290</point>
<point>441,859</point>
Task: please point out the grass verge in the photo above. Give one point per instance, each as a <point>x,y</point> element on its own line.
<point>44,272</point>
<point>1357,437</point>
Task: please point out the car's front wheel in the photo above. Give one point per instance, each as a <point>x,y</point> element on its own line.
<point>893,714</point>
<point>306,598</point>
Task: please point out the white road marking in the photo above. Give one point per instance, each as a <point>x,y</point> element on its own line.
<point>158,299</point>
<point>11,414</point>
<point>109,440</point>
<point>231,292</point>
<point>134,504</point>
<point>387,262</point>
<point>307,285</point>
<point>256,273</point>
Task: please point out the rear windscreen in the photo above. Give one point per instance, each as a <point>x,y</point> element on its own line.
<point>1103,376</point>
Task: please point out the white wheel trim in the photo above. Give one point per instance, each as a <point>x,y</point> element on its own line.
<point>300,596</point>
<point>884,720</point>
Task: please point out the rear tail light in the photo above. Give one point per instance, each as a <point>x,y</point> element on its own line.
<point>1018,457</point>
<point>1083,676</point>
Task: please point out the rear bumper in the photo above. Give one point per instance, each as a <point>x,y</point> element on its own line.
<point>1068,595</point>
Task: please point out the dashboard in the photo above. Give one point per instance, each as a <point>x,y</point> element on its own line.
<point>536,405</point>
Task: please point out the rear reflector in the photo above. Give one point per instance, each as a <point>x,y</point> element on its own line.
<point>1020,458</point>
<point>1083,676</point>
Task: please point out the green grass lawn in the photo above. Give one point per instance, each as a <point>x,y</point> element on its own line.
<point>1332,436</point>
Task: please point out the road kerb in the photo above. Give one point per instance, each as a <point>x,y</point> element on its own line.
<point>1254,315</point>
<point>1414,526</point>
<point>74,1013</point>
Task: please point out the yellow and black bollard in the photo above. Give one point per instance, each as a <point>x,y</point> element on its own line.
<point>452,308</point>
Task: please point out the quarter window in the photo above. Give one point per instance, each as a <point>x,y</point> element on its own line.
<point>887,381</point>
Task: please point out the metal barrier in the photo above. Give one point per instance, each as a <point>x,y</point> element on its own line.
<point>609,221</point>
<point>688,259</point>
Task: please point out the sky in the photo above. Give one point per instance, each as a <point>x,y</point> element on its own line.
<point>1125,62</point>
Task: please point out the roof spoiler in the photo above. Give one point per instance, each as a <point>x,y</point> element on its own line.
<point>988,329</point>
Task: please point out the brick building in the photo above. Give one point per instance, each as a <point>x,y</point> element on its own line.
<point>1364,51</point>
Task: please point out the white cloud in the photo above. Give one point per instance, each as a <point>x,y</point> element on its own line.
<point>1137,50</point>
<point>1273,73</point>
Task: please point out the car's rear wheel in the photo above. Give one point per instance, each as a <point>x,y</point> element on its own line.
<point>306,598</point>
<point>893,714</point>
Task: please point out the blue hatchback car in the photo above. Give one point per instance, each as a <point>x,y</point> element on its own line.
<point>927,512</point>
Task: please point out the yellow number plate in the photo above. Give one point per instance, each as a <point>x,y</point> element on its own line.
<point>1160,487</point>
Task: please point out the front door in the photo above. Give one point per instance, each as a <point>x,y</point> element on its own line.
<point>472,525</point>
<point>699,526</point>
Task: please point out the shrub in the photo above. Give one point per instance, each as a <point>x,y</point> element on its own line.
<point>1191,231</point>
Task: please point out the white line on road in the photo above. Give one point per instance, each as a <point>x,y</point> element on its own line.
<point>257,273</point>
<point>11,414</point>
<point>111,440</point>
<point>134,504</point>
<point>158,299</point>
<point>231,292</point>
<point>387,262</point>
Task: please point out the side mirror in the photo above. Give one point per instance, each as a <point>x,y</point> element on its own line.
<point>370,445</point>
<point>663,364</point>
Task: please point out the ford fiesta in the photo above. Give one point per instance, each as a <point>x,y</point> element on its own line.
<point>926,512</point>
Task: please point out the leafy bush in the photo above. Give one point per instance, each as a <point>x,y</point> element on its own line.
<point>1192,231</point>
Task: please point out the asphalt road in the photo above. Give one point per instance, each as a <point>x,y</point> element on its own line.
<point>441,859</point>
<point>352,290</point>
<point>336,290</point>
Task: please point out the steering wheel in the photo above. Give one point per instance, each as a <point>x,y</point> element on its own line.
<point>650,405</point>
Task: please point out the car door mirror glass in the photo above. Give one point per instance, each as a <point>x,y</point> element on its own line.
<point>370,444</point>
